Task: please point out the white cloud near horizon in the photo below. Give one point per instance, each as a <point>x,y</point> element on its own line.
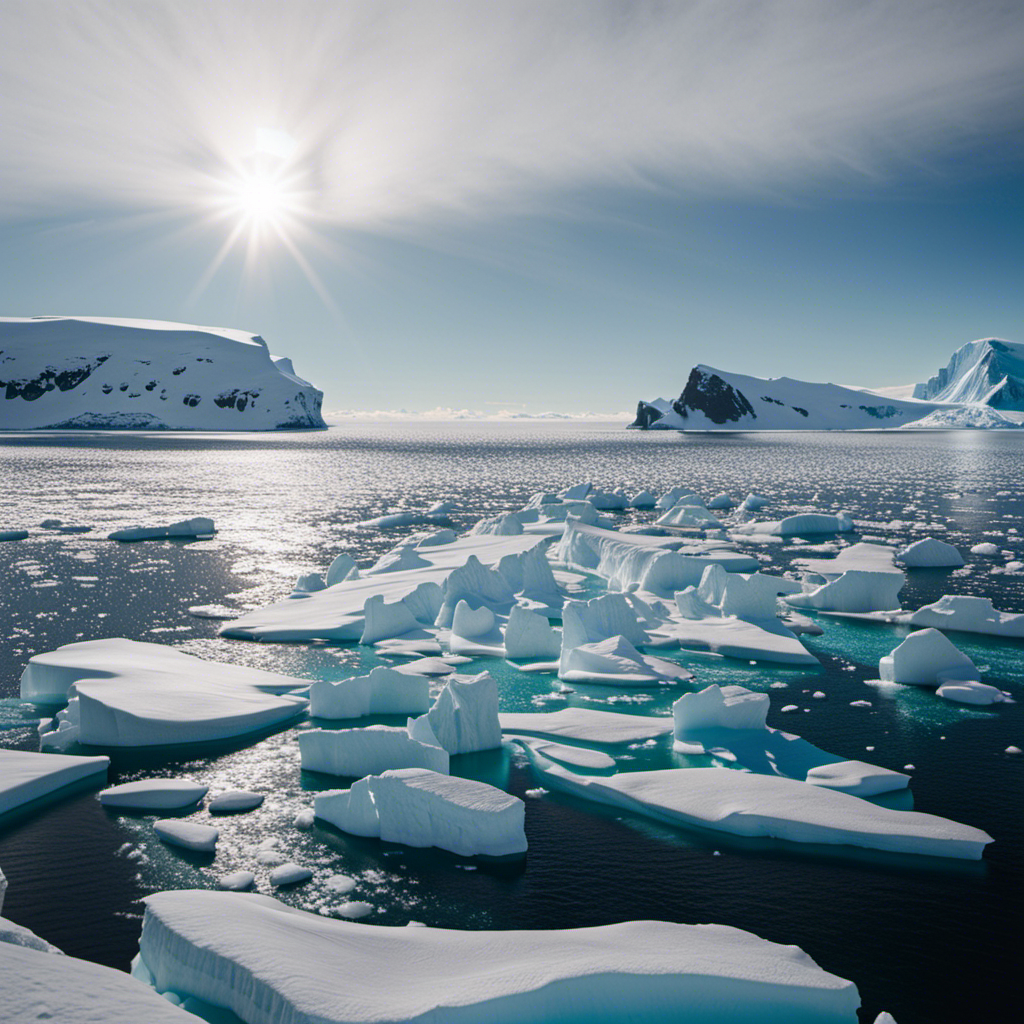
<point>404,112</point>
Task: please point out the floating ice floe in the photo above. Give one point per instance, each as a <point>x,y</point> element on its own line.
<point>586,725</point>
<point>411,517</point>
<point>463,717</point>
<point>418,807</point>
<point>971,693</point>
<point>384,691</point>
<point>40,984</point>
<point>968,615</point>
<point>338,613</point>
<point>802,523</point>
<point>154,794</point>
<point>643,500</point>
<point>723,501</point>
<point>13,535</point>
<point>863,556</point>
<point>290,874</point>
<point>616,662</point>
<point>927,658</point>
<point>237,881</point>
<point>643,971</point>
<point>189,835</point>
<point>235,801</point>
<point>750,804</point>
<point>367,751</point>
<point>197,527</point>
<point>730,722</point>
<point>121,693</point>
<point>854,591</point>
<point>930,553</point>
<point>575,757</point>
<point>26,776</point>
<point>986,549</point>
<point>752,502</point>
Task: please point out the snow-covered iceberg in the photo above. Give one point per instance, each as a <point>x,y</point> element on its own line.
<point>855,591</point>
<point>463,717</point>
<point>384,691</point>
<point>368,751</point>
<point>104,373</point>
<point>642,971</point>
<point>930,553</point>
<point>154,794</point>
<point>121,693</point>
<point>419,807</point>
<point>927,658</point>
<point>969,615</point>
<point>26,776</point>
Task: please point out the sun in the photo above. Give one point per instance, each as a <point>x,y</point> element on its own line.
<point>262,199</point>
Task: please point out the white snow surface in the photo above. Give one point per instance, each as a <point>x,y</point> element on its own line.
<point>92,372</point>
<point>969,615</point>
<point>854,591</point>
<point>930,553</point>
<point>154,794</point>
<point>642,971</point>
<point>863,556</point>
<point>419,807</point>
<point>586,725</point>
<point>927,658</point>
<point>384,691</point>
<point>750,804</point>
<point>122,693</point>
<point>367,751</point>
<point>26,776</point>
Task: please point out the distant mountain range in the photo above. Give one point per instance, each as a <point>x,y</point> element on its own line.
<point>989,372</point>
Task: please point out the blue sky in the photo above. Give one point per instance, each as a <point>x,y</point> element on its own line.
<point>568,220</point>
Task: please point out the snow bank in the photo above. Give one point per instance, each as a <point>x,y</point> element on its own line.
<point>927,658</point>
<point>126,694</point>
<point>930,553</point>
<point>154,794</point>
<point>749,804</point>
<point>367,751</point>
<point>464,716</point>
<point>198,527</point>
<point>969,615</point>
<point>641,971</point>
<point>26,776</point>
<point>854,591</point>
<point>424,808</point>
<point>384,691</point>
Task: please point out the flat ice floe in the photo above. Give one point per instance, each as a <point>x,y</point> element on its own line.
<point>368,751</point>
<point>197,527</point>
<point>189,835</point>
<point>40,985</point>
<point>969,615</point>
<point>856,590</point>
<point>419,807</point>
<point>26,776</point>
<point>803,523</point>
<point>126,694</point>
<point>863,555</point>
<point>641,971</point>
<point>586,725</point>
<point>749,804</point>
<point>337,613</point>
<point>154,794</point>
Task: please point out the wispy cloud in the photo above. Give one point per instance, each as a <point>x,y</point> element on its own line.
<point>404,111</point>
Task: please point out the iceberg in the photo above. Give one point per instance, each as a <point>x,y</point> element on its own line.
<point>419,807</point>
<point>121,693</point>
<point>989,371</point>
<point>504,525</point>
<point>968,615</point>
<point>340,569</point>
<point>235,801</point>
<point>722,501</point>
<point>237,881</point>
<point>384,691</point>
<point>692,516</point>
<point>13,535</point>
<point>529,635</point>
<point>971,693</point>
<point>586,725</point>
<point>198,527</point>
<point>930,553</point>
<point>154,794</point>
<point>616,662</point>
<point>26,776</point>
<point>43,985</point>
<point>642,971</point>
<point>801,524</point>
<point>748,804</point>
<point>289,874</point>
<point>189,835</point>
<point>863,556</point>
<point>855,591</point>
<point>717,707</point>
<point>367,751</point>
<point>104,373</point>
<point>642,500</point>
<point>464,715</point>
<point>927,658</point>
<point>856,777</point>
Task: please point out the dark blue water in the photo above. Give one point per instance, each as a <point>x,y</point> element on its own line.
<point>927,940</point>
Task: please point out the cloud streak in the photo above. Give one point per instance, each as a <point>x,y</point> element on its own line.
<point>408,112</point>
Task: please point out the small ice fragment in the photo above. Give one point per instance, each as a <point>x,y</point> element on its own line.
<point>235,800</point>
<point>341,883</point>
<point>860,703</point>
<point>290,874</point>
<point>355,909</point>
<point>1012,750</point>
<point>537,793</point>
<point>790,707</point>
<point>237,881</point>
<point>818,695</point>
<point>189,835</point>
<point>304,819</point>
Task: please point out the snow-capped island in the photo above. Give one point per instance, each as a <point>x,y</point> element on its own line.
<point>97,373</point>
<point>981,388</point>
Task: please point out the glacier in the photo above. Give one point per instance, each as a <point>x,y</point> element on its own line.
<point>99,373</point>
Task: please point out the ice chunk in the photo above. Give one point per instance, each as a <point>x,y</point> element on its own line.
<point>384,621</point>
<point>927,658</point>
<point>198,527</point>
<point>464,716</point>
<point>190,835</point>
<point>154,794</point>
<point>290,874</point>
<point>752,502</point>
<point>720,707</point>
<point>864,556</point>
<point>750,804</point>
<point>578,492</point>
<point>854,591</point>
<point>384,691</point>
<point>340,568</point>
<point>642,500</point>
<point>971,693</point>
<point>801,524</point>
<point>930,553</point>
<point>12,934</point>
<point>310,583</point>
<point>723,501</point>
<point>26,776</point>
<point>640,971</point>
<point>340,883</point>
<point>857,778</point>
<point>577,757</point>
<point>689,516</point>
<point>616,661</point>
<point>38,985</point>
<point>355,909</point>
<point>505,525</point>
<point>529,575</point>
<point>424,808</point>
<point>986,549</point>
<point>587,725</point>
<point>126,694</point>
<point>587,622</point>
<point>529,635</point>
<point>237,881</point>
<point>608,501</point>
<point>752,597</point>
<point>367,751</point>
<point>969,615</point>
<point>472,622</point>
<point>235,801</point>
<point>674,495</point>
<point>479,584</point>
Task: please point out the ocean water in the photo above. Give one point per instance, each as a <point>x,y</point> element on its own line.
<point>928,940</point>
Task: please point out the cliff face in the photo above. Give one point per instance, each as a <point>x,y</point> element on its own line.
<point>990,371</point>
<point>92,373</point>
